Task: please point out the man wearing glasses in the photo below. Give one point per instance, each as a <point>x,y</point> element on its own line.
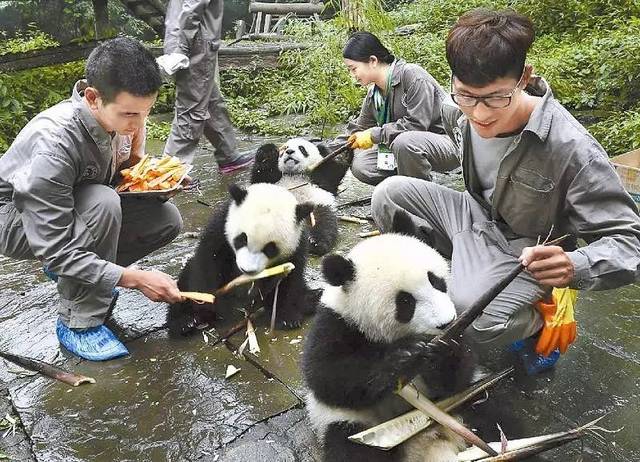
<point>530,170</point>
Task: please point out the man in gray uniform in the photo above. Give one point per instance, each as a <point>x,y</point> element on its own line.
<point>56,204</point>
<point>193,28</point>
<point>530,169</point>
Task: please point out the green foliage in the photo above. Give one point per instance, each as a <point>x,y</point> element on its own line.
<point>26,93</point>
<point>619,133</point>
<point>31,39</point>
<point>588,50</point>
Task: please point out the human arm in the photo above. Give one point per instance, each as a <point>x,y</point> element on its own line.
<point>422,101</point>
<point>603,214</point>
<point>155,285</point>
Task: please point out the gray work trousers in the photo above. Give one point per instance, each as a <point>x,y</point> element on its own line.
<point>416,154</point>
<point>200,108</point>
<point>481,255</point>
<point>120,231</point>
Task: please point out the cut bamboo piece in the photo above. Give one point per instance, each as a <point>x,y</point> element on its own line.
<point>47,369</point>
<point>526,447</point>
<point>391,433</point>
<point>411,394</point>
<point>351,219</point>
<point>203,297</point>
<point>284,269</point>
<point>199,297</point>
<point>370,234</point>
<point>253,340</point>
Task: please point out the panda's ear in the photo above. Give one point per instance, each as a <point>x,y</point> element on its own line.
<point>338,270</point>
<point>237,193</point>
<point>402,223</point>
<point>303,210</point>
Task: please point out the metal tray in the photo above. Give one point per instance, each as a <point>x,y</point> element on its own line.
<point>159,193</point>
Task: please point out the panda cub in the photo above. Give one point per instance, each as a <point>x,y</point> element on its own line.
<point>288,166</point>
<point>258,227</point>
<point>385,300</point>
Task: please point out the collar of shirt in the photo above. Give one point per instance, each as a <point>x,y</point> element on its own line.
<point>100,136</point>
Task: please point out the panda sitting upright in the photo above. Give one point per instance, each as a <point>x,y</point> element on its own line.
<point>259,227</point>
<point>385,301</point>
<point>288,167</point>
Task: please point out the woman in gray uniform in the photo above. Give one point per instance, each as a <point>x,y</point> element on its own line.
<point>399,129</point>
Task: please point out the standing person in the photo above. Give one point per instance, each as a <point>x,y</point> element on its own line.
<point>193,28</point>
<point>530,169</point>
<point>56,204</point>
<point>400,114</point>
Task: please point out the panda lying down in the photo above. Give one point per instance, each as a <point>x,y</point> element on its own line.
<point>384,301</point>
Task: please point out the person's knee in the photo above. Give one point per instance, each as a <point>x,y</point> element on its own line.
<point>99,206</point>
<point>173,221</point>
<point>360,170</point>
<point>402,145</point>
<point>384,198</point>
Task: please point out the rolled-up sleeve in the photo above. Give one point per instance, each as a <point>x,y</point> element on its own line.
<point>43,194</point>
<point>419,101</point>
<point>606,217</point>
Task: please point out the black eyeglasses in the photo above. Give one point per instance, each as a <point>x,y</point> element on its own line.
<point>493,102</point>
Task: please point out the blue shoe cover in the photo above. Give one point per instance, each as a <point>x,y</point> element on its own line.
<point>50,274</point>
<point>533,362</point>
<point>536,363</point>
<point>95,343</point>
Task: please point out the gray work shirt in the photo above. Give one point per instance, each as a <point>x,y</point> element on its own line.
<point>416,100</point>
<point>58,149</point>
<point>556,174</point>
<point>188,20</point>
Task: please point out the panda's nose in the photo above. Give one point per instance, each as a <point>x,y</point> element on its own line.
<point>289,151</point>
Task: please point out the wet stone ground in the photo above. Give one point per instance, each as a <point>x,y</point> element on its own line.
<point>170,401</point>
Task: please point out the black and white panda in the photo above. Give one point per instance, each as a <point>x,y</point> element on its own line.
<point>385,300</point>
<point>258,227</point>
<point>288,166</point>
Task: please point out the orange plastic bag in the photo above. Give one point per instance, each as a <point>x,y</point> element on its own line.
<point>559,329</point>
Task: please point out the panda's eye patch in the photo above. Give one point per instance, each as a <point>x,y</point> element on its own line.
<point>405,306</point>
<point>437,282</point>
<point>303,150</point>
<point>270,250</point>
<point>240,241</point>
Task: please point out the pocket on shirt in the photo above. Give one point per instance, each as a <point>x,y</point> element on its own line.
<point>527,202</point>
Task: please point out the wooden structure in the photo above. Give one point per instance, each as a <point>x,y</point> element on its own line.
<point>260,56</point>
<point>269,18</point>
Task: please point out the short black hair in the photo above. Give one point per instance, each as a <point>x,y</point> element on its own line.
<point>361,46</point>
<point>485,45</point>
<point>122,64</point>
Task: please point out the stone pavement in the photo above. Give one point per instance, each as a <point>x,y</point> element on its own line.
<point>170,401</point>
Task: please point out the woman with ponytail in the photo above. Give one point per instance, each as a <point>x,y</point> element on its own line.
<point>399,129</point>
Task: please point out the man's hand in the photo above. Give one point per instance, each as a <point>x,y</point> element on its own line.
<point>360,140</point>
<point>549,265</point>
<point>155,285</point>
